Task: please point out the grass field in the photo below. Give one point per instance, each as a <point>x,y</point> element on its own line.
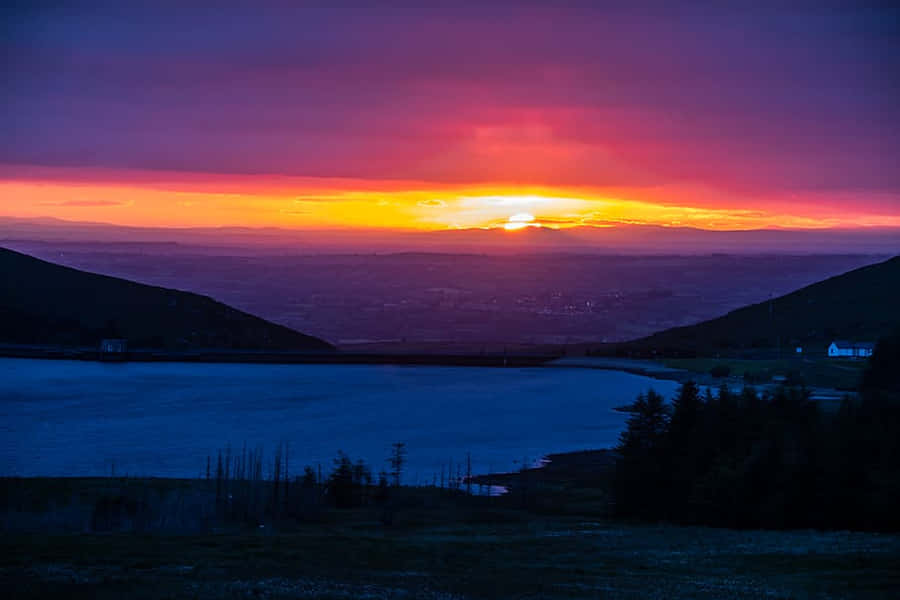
<point>842,374</point>
<point>536,558</point>
<point>441,544</point>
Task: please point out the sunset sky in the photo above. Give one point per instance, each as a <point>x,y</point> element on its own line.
<point>401,115</point>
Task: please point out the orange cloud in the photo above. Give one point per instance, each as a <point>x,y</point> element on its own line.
<point>190,200</point>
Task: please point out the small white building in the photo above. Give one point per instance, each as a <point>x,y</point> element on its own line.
<point>113,346</point>
<point>843,348</point>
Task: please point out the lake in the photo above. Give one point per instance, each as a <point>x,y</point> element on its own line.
<point>71,418</point>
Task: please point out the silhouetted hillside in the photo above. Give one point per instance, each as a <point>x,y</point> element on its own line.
<point>859,305</point>
<point>44,303</point>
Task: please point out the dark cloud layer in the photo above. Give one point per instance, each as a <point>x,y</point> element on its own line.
<point>743,97</point>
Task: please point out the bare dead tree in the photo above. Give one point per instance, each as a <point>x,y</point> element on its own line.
<point>397,461</point>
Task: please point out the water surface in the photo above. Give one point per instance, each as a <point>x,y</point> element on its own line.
<point>163,419</point>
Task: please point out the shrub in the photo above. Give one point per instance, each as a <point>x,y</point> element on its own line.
<point>720,371</point>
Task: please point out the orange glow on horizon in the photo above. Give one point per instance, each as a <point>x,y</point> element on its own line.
<point>309,203</point>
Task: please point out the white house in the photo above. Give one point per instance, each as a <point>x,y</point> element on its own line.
<point>839,348</point>
<point>113,346</point>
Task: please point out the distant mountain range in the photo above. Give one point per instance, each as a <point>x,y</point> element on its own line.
<point>861,305</point>
<point>43,303</point>
<point>615,239</point>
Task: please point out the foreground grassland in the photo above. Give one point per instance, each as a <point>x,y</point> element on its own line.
<point>842,374</point>
<point>484,554</point>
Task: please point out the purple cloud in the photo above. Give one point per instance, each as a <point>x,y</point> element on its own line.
<point>753,99</point>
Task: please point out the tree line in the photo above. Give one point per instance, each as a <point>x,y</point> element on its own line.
<point>775,459</point>
<point>244,493</point>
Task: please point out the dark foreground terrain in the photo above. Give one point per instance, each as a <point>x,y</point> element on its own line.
<point>550,536</point>
<point>535,558</point>
<point>485,553</point>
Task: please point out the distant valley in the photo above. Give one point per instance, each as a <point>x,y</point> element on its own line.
<point>468,302</point>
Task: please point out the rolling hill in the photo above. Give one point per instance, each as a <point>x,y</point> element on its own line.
<point>43,303</point>
<point>862,305</point>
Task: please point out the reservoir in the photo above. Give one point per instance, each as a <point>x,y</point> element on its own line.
<point>77,418</point>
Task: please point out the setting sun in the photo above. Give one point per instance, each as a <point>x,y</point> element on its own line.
<point>520,221</point>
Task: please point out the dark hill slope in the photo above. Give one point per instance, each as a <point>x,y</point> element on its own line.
<point>862,305</point>
<point>44,303</point>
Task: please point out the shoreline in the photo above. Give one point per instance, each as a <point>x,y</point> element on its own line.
<point>656,370</point>
<point>279,357</point>
<point>584,468</point>
<point>634,366</point>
